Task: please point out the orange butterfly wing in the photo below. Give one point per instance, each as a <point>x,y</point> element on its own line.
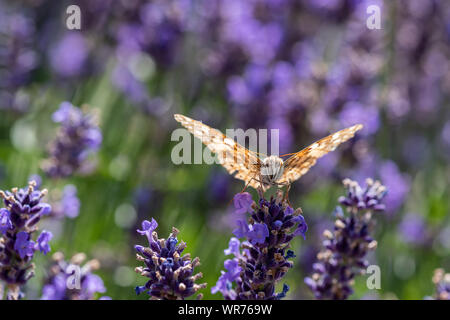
<point>300,163</point>
<point>237,160</point>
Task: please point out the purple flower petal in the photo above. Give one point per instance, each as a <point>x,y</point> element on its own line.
<point>5,221</point>
<point>148,228</point>
<point>243,203</point>
<point>42,242</point>
<point>242,229</point>
<point>258,233</point>
<point>233,247</point>
<point>23,246</point>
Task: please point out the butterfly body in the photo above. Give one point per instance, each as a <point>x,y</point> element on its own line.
<point>257,170</point>
<point>271,170</point>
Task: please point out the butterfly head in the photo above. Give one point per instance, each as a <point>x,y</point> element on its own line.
<point>271,169</point>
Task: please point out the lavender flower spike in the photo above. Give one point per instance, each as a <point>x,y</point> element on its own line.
<point>18,222</point>
<point>70,280</point>
<point>345,248</point>
<point>264,258</point>
<point>171,274</point>
<point>77,137</point>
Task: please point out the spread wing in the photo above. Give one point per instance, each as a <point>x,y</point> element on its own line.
<point>240,162</point>
<point>300,163</point>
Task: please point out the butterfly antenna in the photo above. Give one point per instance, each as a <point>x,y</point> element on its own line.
<point>288,154</point>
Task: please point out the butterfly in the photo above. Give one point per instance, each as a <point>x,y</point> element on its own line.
<point>257,170</point>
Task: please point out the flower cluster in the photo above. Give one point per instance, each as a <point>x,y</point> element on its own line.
<point>18,57</point>
<point>78,137</point>
<point>415,87</point>
<point>344,250</point>
<point>18,222</point>
<point>442,283</point>
<point>146,34</point>
<point>69,56</point>
<point>274,70</point>
<point>171,274</point>
<point>263,261</point>
<point>367,198</point>
<point>70,280</point>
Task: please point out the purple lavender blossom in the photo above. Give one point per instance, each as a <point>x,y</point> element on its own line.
<point>258,233</point>
<point>146,33</point>
<point>416,86</point>
<point>253,273</point>
<point>171,274</point>
<point>148,228</point>
<point>397,183</point>
<point>18,58</point>
<point>277,76</point>
<point>18,221</point>
<point>70,280</point>
<point>5,221</point>
<point>445,135</point>
<point>66,204</point>
<point>131,87</point>
<point>344,249</point>
<point>442,282</point>
<point>413,229</point>
<point>239,34</point>
<point>242,228</point>
<point>368,198</point>
<point>233,247</point>
<point>162,25</point>
<point>243,203</point>
<point>23,245</point>
<point>42,242</point>
<point>69,55</point>
<point>77,138</point>
<point>354,112</point>
<point>226,279</point>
